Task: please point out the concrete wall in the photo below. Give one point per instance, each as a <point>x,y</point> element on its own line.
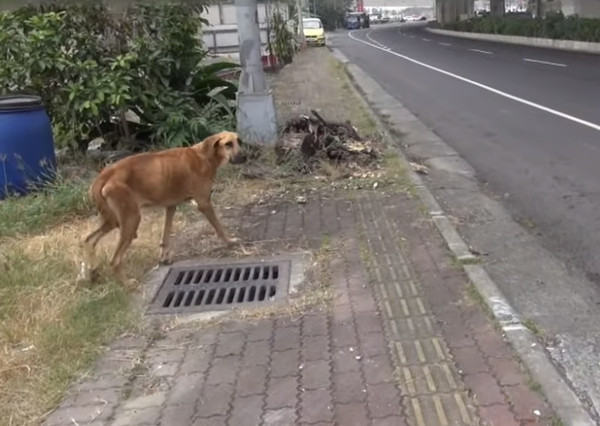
<point>220,36</point>
<point>567,45</point>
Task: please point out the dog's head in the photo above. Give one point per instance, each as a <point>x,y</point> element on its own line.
<point>226,147</point>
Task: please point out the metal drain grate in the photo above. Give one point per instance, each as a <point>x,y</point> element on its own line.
<point>220,287</point>
<point>290,103</point>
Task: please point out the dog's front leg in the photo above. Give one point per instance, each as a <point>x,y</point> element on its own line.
<point>207,209</point>
<point>165,244</point>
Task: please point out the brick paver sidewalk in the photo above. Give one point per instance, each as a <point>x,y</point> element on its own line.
<point>403,341</point>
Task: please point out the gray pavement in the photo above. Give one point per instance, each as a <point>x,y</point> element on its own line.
<point>521,163</point>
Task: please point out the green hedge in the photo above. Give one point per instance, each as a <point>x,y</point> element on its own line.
<point>93,68</point>
<point>554,26</point>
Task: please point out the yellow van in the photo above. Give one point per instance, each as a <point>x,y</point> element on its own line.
<point>313,31</point>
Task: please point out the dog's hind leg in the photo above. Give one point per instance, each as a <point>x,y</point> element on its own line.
<point>89,266</point>
<point>165,245</point>
<point>128,214</point>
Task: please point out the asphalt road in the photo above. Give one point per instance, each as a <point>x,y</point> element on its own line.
<point>528,121</point>
<point>546,166</point>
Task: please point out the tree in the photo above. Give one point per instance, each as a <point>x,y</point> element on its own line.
<point>333,13</point>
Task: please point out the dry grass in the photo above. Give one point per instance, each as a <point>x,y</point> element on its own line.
<point>316,291</point>
<point>354,107</point>
<point>51,329</point>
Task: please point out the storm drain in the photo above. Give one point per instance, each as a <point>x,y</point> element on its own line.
<point>219,287</point>
<point>290,103</point>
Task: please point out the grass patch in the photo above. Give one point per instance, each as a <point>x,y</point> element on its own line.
<point>50,329</point>
<point>357,112</point>
<point>534,328</point>
<point>60,202</point>
<point>476,297</point>
<point>456,262</point>
<point>534,386</point>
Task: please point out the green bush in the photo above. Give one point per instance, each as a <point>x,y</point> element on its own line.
<point>93,68</point>
<point>283,42</point>
<point>555,26</point>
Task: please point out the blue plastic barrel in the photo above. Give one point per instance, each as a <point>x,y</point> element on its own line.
<point>27,158</point>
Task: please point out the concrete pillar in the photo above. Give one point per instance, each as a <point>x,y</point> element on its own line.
<point>256,120</point>
<point>497,7</point>
<point>448,11</point>
<point>300,24</point>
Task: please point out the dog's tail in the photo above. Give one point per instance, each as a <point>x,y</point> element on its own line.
<point>99,201</point>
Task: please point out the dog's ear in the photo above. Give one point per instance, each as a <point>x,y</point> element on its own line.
<point>214,140</point>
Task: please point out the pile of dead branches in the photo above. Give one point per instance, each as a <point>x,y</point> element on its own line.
<point>332,140</point>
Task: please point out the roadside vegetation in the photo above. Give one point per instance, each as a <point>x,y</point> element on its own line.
<point>554,26</point>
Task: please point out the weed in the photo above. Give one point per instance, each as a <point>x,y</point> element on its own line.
<point>60,202</point>
<point>317,292</point>
<point>476,297</point>
<point>534,328</point>
<point>456,262</point>
<point>357,112</point>
<point>534,386</point>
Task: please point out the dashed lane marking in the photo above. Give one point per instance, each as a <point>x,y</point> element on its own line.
<point>537,61</point>
<point>540,107</point>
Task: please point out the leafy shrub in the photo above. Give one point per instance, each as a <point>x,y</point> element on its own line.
<point>93,69</point>
<point>555,26</point>
<point>283,43</point>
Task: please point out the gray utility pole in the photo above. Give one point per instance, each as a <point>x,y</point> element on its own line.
<point>256,120</point>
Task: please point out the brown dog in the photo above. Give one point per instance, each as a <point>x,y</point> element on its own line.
<point>164,179</point>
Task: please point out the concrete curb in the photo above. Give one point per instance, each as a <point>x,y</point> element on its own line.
<point>560,396</point>
<point>547,43</point>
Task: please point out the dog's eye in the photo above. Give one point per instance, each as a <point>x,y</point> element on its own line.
<point>229,144</point>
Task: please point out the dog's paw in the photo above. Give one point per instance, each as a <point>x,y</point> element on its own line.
<point>165,260</point>
<point>232,241</point>
<point>87,275</point>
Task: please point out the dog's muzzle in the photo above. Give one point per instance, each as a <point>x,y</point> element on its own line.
<point>239,158</point>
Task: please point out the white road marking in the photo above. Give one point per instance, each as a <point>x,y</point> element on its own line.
<point>425,39</point>
<point>445,44</point>
<point>485,87</point>
<point>537,61</point>
<point>383,46</point>
<point>485,52</point>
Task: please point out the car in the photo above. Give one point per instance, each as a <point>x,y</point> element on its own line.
<point>355,20</point>
<point>314,33</point>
